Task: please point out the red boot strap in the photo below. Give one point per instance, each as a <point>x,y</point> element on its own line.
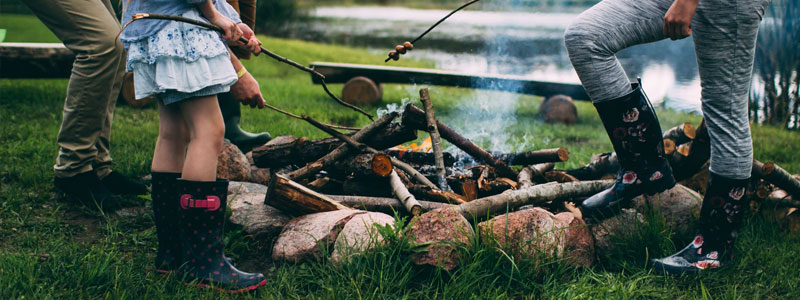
<point>211,203</point>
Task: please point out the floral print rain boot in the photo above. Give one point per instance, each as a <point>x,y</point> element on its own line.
<point>164,195</point>
<point>202,206</point>
<point>632,125</point>
<point>720,217</point>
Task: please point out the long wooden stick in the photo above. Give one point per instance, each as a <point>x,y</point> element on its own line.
<point>773,173</point>
<point>425,98</point>
<point>381,204</point>
<point>342,150</point>
<point>413,116</point>
<point>357,145</point>
<point>142,16</point>
<point>403,195</point>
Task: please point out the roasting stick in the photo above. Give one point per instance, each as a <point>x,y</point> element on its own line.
<point>401,49</point>
<point>362,147</point>
<point>277,57</point>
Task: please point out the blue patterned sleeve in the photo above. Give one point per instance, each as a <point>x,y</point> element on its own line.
<point>227,10</point>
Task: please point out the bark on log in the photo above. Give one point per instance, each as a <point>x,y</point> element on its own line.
<point>382,204</point>
<point>469,188</point>
<point>364,165</point>
<point>424,192</point>
<point>533,157</point>
<point>778,176</point>
<point>421,158</point>
<point>681,134</point>
<point>340,151</point>
<point>297,200</point>
<point>436,142</point>
<point>600,165</point>
<point>559,176</point>
<point>414,117</point>
<point>538,171</point>
<point>479,208</point>
<point>303,150</point>
<point>525,178</point>
<point>401,193</point>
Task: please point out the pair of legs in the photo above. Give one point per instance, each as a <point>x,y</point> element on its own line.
<point>197,123</point>
<point>724,33</point>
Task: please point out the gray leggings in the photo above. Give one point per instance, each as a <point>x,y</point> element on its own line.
<point>724,33</point>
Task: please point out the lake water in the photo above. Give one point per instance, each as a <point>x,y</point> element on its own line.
<point>524,43</point>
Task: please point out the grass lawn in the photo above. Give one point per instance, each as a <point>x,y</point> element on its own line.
<point>52,249</point>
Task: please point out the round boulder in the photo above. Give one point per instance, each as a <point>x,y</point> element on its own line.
<point>679,205</point>
<point>232,163</point>
<point>446,230</point>
<point>360,234</point>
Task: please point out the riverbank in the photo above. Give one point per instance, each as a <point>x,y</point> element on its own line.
<point>53,249</point>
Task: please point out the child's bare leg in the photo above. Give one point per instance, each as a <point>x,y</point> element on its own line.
<point>173,136</point>
<point>206,132</point>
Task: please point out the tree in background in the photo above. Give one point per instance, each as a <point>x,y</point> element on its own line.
<point>775,96</point>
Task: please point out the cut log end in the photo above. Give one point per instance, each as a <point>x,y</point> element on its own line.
<point>684,149</point>
<point>382,165</point>
<point>689,131</point>
<point>563,154</point>
<point>669,146</point>
<point>768,168</point>
<point>361,91</point>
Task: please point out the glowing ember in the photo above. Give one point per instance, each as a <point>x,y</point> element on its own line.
<point>425,146</point>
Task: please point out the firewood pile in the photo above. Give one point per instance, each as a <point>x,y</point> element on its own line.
<point>370,170</point>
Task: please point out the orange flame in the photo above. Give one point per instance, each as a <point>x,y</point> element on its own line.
<point>425,146</point>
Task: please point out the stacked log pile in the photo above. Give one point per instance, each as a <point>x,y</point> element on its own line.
<point>446,192</point>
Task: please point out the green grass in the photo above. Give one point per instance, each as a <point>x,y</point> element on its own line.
<point>50,249</point>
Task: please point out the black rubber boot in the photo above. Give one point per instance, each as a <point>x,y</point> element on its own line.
<point>202,207</point>
<point>231,113</point>
<point>87,189</point>
<point>164,194</point>
<point>720,217</point>
<point>121,185</point>
<point>632,125</point>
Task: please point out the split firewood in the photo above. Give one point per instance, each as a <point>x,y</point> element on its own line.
<point>699,151</point>
<point>533,157</point>
<point>301,151</point>
<point>430,119</point>
<point>364,165</point>
<point>414,117</point>
<point>295,199</point>
<point>401,193</point>
<point>340,151</point>
<point>599,166</point>
<point>469,188</point>
<point>778,176</point>
<point>357,145</point>
<point>681,134</point>
<point>424,192</point>
<point>382,204</point>
<point>559,176</point>
<point>420,158</point>
<point>541,193</point>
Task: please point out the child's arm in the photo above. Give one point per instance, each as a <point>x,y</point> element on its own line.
<point>231,31</point>
<point>246,90</point>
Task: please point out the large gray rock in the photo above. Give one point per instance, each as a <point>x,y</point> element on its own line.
<point>246,187</point>
<point>526,233</point>
<point>232,164</point>
<point>623,223</point>
<point>360,234</point>
<point>262,221</point>
<point>446,231</point>
<point>579,250</point>
<point>679,205</point>
<point>307,236</point>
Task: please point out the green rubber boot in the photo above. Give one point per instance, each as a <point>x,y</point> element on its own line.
<point>231,113</point>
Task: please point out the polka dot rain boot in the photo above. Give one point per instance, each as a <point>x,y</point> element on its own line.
<point>164,194</point>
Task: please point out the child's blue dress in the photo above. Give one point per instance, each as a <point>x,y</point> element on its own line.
<point>180,61</point>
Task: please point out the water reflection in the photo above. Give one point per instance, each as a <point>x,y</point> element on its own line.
<point>511,43</point>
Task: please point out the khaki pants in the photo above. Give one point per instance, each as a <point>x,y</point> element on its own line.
<point>88,28</point>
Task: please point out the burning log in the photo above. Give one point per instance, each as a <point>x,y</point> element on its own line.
<point>533,157</point>
<point>401,193</point>
<point>355,144</point>
<point>414,117</point>
<point>420,158</point>
<point>301,151</point>
<point>775,174</point>
<point>681,134</point>
<point>365,165</point>
<point>600,166</point>
<point>437,144</point>
<point>340,151</point>
<point>382,204</point>
<point>536,194</point>
<point>295,199</point>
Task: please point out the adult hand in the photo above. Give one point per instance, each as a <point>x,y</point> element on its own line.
<point>247,91</point>
<point>231,32</point>
<point>253,45</point>
<point>678,19</point>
